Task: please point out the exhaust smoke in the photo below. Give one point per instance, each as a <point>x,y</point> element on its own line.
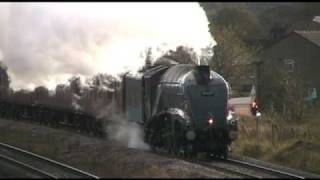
<point>47,43</point>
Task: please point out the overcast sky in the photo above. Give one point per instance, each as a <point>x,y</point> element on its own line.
<point>46,43</point>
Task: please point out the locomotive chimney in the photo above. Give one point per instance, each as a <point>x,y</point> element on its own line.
<point>204,74</point>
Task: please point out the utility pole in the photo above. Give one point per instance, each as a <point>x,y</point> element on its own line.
<point>257,82</point>
<point>258,123</point>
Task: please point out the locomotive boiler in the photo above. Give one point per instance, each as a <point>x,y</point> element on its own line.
<point>183,108</point>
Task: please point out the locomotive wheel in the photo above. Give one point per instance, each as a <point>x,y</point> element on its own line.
<point>169,146</point>
<point>152,133</point>
<point>162,132</point>
<point>220,153</point>
<point>96,130</point>
<point>88,126</point>
<point>175,136</point>
<point>153,139</point>
<point>156,130</point>
<point>167,134</point>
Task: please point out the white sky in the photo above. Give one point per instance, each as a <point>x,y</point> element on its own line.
<point>45,43</point>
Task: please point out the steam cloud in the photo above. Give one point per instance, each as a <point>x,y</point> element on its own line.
<point>121,130</point>
<point>46,43</point>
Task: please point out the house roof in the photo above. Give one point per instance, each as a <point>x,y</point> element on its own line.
<point>313,36</point>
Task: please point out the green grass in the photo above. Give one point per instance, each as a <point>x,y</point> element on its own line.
<point>292,144</point>
<point>59,146</point>
<point>26,140</point>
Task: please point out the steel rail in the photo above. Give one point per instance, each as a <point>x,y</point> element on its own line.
<point>227,170</point>
<point>282,173</point>
<point>27,167</point>
<point>50,162</point>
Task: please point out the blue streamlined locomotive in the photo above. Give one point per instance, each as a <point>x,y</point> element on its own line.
<point>183,108</point>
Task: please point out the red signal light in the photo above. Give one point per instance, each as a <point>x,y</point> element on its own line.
<point>254,108</point>
<point>254,104</point>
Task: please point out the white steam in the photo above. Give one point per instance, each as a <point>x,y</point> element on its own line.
<point>46,43</point>
<point>121,130</point>
<point>128,133</point>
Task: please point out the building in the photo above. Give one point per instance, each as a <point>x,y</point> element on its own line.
<point>297,53</point>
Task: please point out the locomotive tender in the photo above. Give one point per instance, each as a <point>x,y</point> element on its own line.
<point>183,108</point>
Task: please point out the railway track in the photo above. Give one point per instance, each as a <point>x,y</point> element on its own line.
<point>230,172</point>
<point>38,166</point>
<point>242,169</point>
<point>235,168</point>
<point>11,168</point>
<point>269,172</point>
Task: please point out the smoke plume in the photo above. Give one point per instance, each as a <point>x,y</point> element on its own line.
<point>47,43</point>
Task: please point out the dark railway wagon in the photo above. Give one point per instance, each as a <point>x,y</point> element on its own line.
<point>53,116</point>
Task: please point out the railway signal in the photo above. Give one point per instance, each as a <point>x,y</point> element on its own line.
<point>255,112</point>
<point>254,108</point>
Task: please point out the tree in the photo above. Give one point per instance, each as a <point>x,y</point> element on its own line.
<point>182,55</point>
<point>206,55</point>
<point>147,55</point>
<point>277,21</point>
<point>244,23</point>
<point>102,90</point>
<point>63,96</point>
<point>101,82</point>
<point>309,10</point>
<point>75,85</point>
<point>282,91</point>
<point>234,30</point>
<point>22,96</point>
<point>148,60</point>
<point>233,58</point>
<point>4,81</point>
<point>41,95</point>
<point>76,91</point>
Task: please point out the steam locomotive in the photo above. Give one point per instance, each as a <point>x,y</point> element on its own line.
<point>183,109</point>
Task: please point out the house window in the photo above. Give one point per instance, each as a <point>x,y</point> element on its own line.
<point>289,64</point>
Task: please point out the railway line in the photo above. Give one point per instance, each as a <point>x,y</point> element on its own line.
<point>11,168</point>
<point>236,167</point>
<point>265,170</point>
<point>34,165</point>
<point>241,169</point>
<point>230,172</point>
